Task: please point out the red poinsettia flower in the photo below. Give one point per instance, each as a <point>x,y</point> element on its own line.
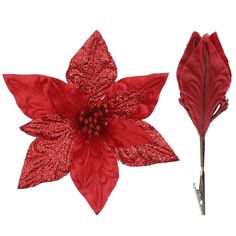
<point>204,77</point>
<point>85,126</point>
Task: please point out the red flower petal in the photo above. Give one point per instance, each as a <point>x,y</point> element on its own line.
<point>48,126</point>
<point>125,133</point>
<point>92,68</point>
<point>135,97</point>
<point>216,42</point>
<point>38,95</point>
<point>192,44</point>
<point>147,154</point>
<point>203,84</point>
<point>94,172</point>
<point>47,160</point>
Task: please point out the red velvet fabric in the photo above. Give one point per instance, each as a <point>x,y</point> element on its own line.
<point>85,126</point>
<point>94,171</point>
<point>204,77</point>
<point>37,95</point>
<point>137,96</point>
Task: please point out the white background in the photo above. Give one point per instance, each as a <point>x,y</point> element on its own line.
<point>144,37</point>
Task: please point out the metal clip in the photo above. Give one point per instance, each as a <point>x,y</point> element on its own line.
<point>200,192</point>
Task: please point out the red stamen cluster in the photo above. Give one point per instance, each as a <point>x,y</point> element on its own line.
<point>93,120</point>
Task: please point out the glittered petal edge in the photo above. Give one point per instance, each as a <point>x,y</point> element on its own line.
<point>158,151</point>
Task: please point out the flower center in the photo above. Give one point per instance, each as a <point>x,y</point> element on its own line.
<point>93,121</point>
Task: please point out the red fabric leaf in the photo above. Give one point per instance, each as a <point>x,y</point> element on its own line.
<point>48,126</point>
<point>94,171</point>
<point>47,160</point>
<point>192,44</point>
<point>216,42</point>
<point>125,133</point>
<point>135,97</point>
<point>92,68</point>
<point>158,151</point>
<point>203,83</point>
<point>39,95</point>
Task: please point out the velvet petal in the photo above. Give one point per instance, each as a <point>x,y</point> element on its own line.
<point>94,171</point>
<point>135,97</point>
<point>156,151</point>
<point>125,133</point>
<point>38,95</point>
<point>203,84</point>
<point>192,44</point>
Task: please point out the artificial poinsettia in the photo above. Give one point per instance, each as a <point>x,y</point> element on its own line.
<point>84,126</point>
<point>204,77</point>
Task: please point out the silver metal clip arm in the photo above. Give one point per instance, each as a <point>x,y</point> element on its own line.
<point>200,192</point>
